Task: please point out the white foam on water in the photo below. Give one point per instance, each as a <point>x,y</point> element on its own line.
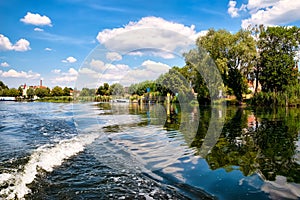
<point>45,157</point>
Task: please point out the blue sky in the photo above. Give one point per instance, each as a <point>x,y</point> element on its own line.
<point>56,40</point>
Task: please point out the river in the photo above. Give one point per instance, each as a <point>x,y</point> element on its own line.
<point>129,151</point>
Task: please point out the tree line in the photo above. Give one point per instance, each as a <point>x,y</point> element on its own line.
<point>57,91</point>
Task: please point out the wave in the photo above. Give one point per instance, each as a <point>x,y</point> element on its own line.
<point>46,157</point>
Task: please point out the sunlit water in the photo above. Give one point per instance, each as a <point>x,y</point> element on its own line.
<point>122,151</point>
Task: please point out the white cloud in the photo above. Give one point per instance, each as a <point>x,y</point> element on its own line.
<point>148,33</point>
<point>149,70</point>
<point>15,74</point>
<point>4,64</point>
<point>36,19</point>
<point>20,45</point>
<point>113,56</point>
<point>65,78</point>
<point>272,12</point>
<point>56,71</point>
<point>48,49</point>
<point>97,65</point>
<point>69,59</point>
<point>232,10</point>
<point>38,29</point>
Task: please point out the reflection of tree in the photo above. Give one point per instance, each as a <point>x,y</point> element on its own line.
<point>268,147</point>
<point>235,147</point>
<point>275,139</point>
<point>261,141</point>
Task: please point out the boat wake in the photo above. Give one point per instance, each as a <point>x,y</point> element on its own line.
<point>47,157</point>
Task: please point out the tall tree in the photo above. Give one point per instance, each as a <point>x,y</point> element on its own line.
<point>278,47</point>
<point>57,91</point>
<point>66,91</point>
<point>104,89</point>
<point>30,93</point>
<point>42,92</point>
<point>117,89</point>
<point>234,55</point>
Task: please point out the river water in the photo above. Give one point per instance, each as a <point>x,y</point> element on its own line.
<point>128,151</point>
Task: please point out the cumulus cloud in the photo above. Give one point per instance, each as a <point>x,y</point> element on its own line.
<point>38,29</point>
<point>15,74</point>
<point>48,49</point>
<point>69,59</point>
<point>96,72</point>
<point>149,70</point>
<point>272,12</point>
<point>4,64</point>
<point>20,45</point>
<point>36,19</point>
<point>232,10</point>
<point>65,78</point>
<point>113,56</point>
<point>149,33</point>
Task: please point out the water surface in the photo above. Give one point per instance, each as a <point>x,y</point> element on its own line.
<point>127,151</point>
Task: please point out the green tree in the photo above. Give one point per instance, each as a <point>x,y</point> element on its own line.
<point>20,90</point>
<point>30,93</point>
<point>87,92</point>
<point>42,92</point>
<point>278,47</point>
<point>175,84</point>
<point>3,86</point>
<point>66,91</point>
<point>234,55</point>
<point>104,90</point>
<point>57,91</point>
<point>117,89</point>
<point>13,92</point>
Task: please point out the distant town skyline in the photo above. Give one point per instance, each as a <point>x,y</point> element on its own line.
<point>51,41</point>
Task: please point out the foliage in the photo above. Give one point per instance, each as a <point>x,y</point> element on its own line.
<point>56,99</point>
<point>175,84</point>
<point>30,93</point>
<point>141,88</point>
<point>87,92</point>
<point>290,96</point>
<point>234,55</point>
<point>3,86</point>
<point>104,90</point>
<point>117,89</point>
<point>66,91</point>
<point>278,47</point>
<point>57,91</point>
<point>42,92</point>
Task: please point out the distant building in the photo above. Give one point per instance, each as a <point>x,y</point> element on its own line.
<point>252,85</point>
<point>26,87</point>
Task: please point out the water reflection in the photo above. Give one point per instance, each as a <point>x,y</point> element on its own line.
<point>258,143</point>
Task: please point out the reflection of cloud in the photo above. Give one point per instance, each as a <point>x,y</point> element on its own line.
<point>147,33</point>
<point>281,189</point>
<point>15,74</point>
<point>6,45</point>
<point>36,19</point>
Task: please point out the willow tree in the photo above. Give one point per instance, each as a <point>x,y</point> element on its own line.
<point>234,55</point>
